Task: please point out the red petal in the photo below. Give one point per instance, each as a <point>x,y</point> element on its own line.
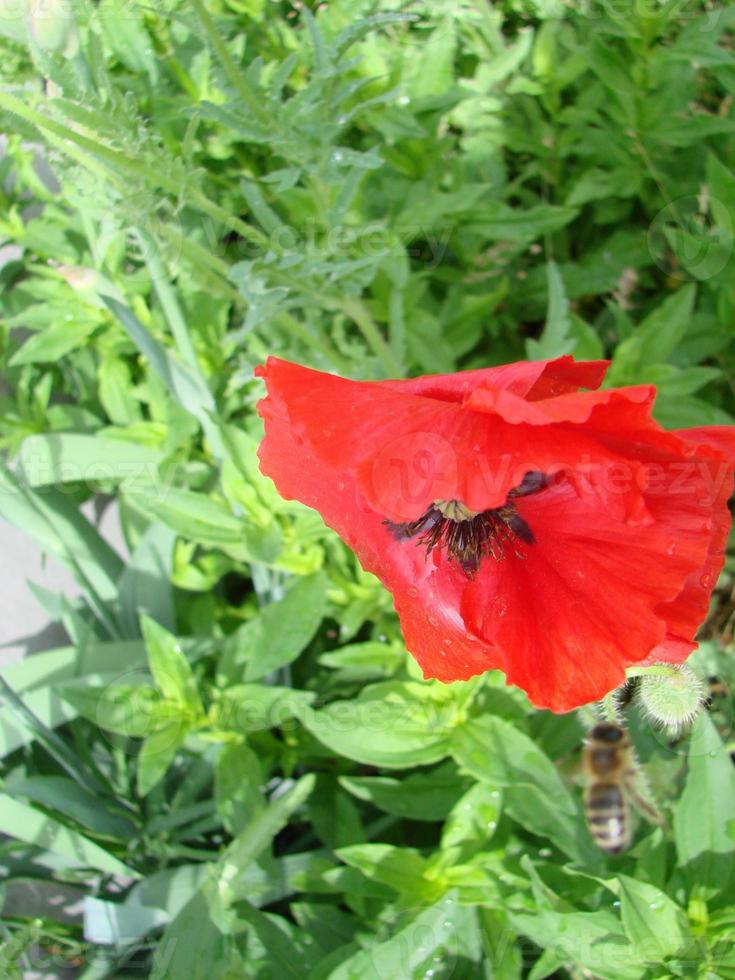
<point>568,616</point>
<point>427,602</point>
<point>720,438</point>
<point>576,408</point>
<point>409,450</point>
<point>711,482</point>
<point>533,380</point>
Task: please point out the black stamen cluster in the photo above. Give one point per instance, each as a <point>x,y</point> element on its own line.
<point>469,541</point>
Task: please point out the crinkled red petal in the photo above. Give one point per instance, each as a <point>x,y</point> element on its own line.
<point>532,380</point>
<point>408,450</point>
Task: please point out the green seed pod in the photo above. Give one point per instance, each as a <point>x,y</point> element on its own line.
<point>672,700</point>
<point>52,26</point>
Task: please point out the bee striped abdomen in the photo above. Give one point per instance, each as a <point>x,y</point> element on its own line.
<point>607,817</point>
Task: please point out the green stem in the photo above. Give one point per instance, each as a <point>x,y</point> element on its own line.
<point>234,74</point>
<point>356,310</point>
<point>202,258</point>
<point>140,168</point>
<point>297,329</point>
<point>167,298</point>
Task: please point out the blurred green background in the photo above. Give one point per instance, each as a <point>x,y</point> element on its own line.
<point>232,769</point>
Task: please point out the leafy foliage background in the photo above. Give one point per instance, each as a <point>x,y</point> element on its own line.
<point>233,762</point>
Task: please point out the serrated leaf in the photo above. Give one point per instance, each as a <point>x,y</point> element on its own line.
<point>554,340</point>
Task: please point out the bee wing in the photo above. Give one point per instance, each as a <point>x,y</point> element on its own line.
<point>639,796</point>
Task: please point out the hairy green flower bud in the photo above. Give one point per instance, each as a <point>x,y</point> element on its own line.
<point>672,699</point>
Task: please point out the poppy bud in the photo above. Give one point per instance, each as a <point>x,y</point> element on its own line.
<point>672,700</point>
<point>52,26</point>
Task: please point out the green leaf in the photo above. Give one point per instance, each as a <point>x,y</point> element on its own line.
<point>365,661</point>
<point>72,458</point>
<point>721,184</point>
<point>654,924</point>
<point>184,383</point>
<point>125,32</point>
<point>555,339</point>
<point>238,776</point>
<point>587,343</point>
<point>328,925</point>
<point>158,752</point>
<point>597,184</point>
<point>496,752</point>
<point>392,725</point>
<point>474,817</point>
<point>81,805</point>
<point>278,635</point>
<point>66,663</point>
<point>229,886</point>
<point>441,938</point>
<point>401,868</point>
<point>25,823</point>
<point>612,69</point>
<point>170,668</point>
<point>58,526</point>
<point>592,939</point>
<point>192,947</point>
<point>145,585</point>
<point>704,818</point>
<point>125,709</point>
<point>502,223</point>
<point>655,339</point>
<point>116,391</point>
<point>46,705</point>
<point>420,796</point>
<point>195,516</point>
<point>687,411</point>
<point>257,707</point>
<point>334,817</point>
<point>291,952</point>
<point>54,342</point>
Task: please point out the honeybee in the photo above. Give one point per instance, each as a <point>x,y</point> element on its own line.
<point>613,779</point>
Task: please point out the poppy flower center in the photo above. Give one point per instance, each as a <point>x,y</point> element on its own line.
<point>467,536</point>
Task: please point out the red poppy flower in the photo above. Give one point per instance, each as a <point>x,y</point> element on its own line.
<point>557,534</point>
